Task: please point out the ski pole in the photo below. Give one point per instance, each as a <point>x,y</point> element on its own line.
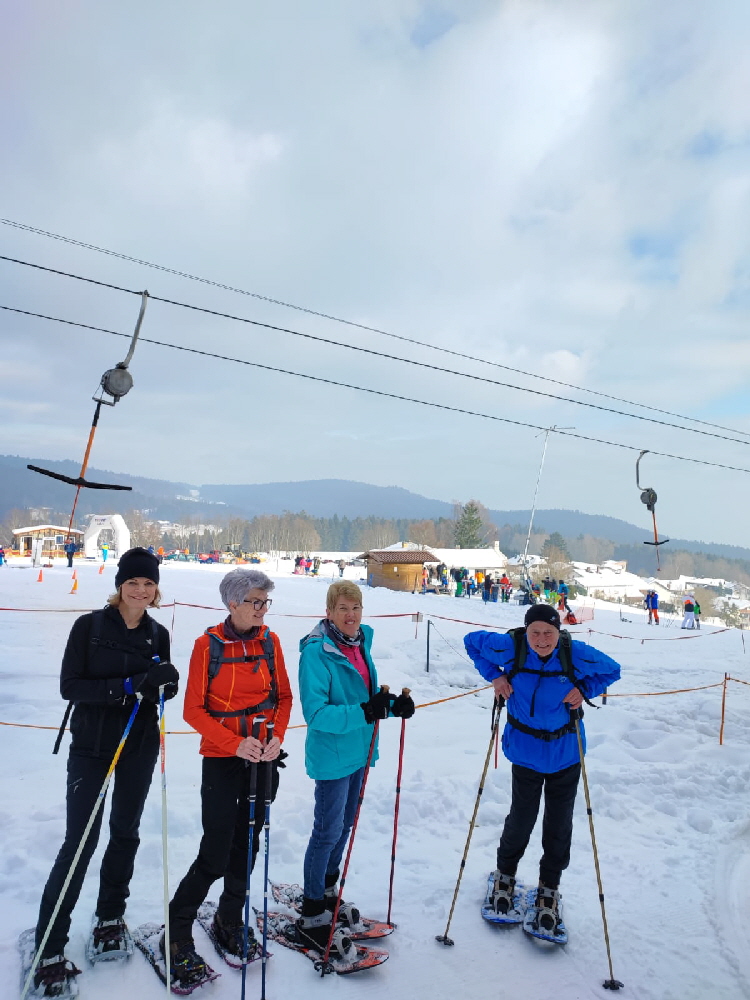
<point>164,838</point>
<point>405,692</point>
<point>251,793</point>
<point>611,983</point>
<point>79,850</point>
<point>496,710</point>
<point>325,966</point>
<point>266,834</point>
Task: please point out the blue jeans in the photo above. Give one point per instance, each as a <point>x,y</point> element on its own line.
<point>335,806</point>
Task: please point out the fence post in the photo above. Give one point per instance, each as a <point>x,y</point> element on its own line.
<point>429,625</point>
<point>417,617</point>
<point>723,707</point>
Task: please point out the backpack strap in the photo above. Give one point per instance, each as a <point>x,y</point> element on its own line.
<point>96,628</point>
<point>215,663</point>
<point>565,656</point>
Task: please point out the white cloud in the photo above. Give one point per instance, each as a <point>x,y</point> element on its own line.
<point>556,185</point>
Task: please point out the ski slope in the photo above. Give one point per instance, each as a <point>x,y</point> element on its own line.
<point>671,806</point>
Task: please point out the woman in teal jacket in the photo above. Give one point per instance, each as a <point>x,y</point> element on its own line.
<point>340,698</point>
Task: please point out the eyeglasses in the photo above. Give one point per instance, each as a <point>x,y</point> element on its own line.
<point>259,605</point>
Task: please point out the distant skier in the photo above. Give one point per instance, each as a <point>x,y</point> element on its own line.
<point>342,567</point>
<point>70,550</point>
<point>688,607</point>
<point>651,601</point>
<point>2,555</point>
<point>697,613</point>
<point>505,588</point>
<point>540,742</point>
<point>562,591</point>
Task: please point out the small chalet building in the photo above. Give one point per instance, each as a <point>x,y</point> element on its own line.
<point>52,537</point>
<point>397,568</point>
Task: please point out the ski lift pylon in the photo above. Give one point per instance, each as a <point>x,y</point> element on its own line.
<point>648,496</point>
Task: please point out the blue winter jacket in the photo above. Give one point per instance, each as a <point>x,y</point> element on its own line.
<point>331,691</point>
<point>538,701</point>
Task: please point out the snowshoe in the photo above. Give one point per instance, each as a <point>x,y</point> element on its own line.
<point>543,918</point>
<point>54,976</point>
<point>291,895</point>
<point>187,969</point>
<point>109,940</point>
<point>229,942</point>
<point>283,929</point>
<point>504,902</point>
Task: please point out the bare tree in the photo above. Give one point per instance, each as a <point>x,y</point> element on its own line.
<point>142,531</point>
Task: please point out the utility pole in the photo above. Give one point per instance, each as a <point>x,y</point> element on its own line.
<point>547,433</point>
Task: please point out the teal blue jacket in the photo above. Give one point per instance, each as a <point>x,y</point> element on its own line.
<point>331,691</point>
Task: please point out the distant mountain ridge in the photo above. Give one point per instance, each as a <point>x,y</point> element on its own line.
<point>172,501</point>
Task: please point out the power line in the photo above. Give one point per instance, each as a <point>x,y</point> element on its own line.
<point>360,326</point>
<point>374,392</point>
<point>379,354</point>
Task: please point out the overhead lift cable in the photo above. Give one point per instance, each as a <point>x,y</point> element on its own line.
<point>376,392</point>
<point>380,354</point>
<point>360,326</point>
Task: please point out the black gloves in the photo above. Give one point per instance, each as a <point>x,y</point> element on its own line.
<point>403,706</point>
<point>160,674</point>
<point>378,706</point>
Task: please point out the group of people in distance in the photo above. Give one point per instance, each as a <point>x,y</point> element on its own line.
<point>116,666</point>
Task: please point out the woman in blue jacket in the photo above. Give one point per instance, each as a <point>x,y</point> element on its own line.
<point>341,700</point>
<point>540,741</point>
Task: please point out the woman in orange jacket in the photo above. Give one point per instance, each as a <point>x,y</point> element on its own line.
<point>237,673</point>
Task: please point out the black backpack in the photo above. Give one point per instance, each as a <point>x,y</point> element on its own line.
<point>217,660</point>
<point>566,670</point>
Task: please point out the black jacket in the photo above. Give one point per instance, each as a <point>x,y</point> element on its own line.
<point>92,676</point>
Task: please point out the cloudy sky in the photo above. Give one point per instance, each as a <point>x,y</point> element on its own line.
<point>556,186</point>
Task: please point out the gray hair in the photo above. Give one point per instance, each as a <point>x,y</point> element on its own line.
<point>235,586</point>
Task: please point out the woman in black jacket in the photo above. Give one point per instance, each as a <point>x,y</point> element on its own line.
<point>113,657</point>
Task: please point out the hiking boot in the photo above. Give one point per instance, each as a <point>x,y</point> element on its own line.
<point>501,896</point>
<point>547,903</point>
<point>348,914</point>
<point>186,965</point>
<point>231,937</point>
<point>55,977</point>
<point>314,929</point>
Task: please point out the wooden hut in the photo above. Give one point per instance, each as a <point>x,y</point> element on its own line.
<point>52,537</point>
<point>396,569</point>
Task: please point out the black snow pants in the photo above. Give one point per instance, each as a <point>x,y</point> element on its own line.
<point>557,825</point>
<point>223,849</point>
<point>130,785</point>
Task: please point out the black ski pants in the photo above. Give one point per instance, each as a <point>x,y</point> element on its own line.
<point>223,849</point>
<point>130,784</point>
<point>557,825</point>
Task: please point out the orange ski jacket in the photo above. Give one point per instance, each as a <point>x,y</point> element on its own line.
<point>236,686</point>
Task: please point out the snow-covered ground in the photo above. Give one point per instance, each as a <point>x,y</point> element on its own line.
<point>671,806</point>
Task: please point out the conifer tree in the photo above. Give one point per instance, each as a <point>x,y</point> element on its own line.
<point>470,530</point>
